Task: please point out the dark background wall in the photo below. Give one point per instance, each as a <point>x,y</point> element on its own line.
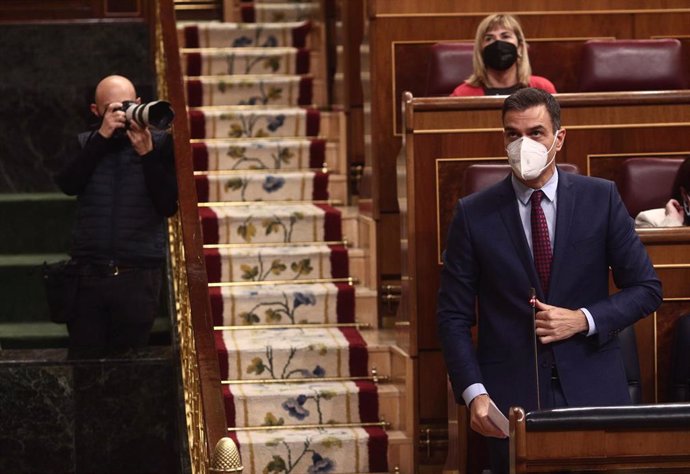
<point>47,79</point>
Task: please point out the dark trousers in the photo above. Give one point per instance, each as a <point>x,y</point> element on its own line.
<point>499,449</point>
<point>114,312</point>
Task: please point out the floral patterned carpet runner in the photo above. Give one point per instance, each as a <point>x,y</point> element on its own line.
<point>272,12</point>
<point>314,403</point>
<point>293,263</point>
<point>260,164</point>
<point>329,450</point>
<point>249,90</point>
<point>244,35</point>
<point>248,186</point>
<point>237,61</point>
<point>270,224</point>
<point>270,354</point>
<point>317,303</point>
<point>260,154</point>
<point>254,122</point>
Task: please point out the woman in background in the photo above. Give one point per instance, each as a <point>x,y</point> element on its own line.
<point>501,63</point>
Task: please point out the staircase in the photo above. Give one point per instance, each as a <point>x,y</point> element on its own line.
<point>310,380</point>
<point>35,229</point>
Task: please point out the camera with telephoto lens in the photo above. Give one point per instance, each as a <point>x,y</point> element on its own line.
<point>157,114</point>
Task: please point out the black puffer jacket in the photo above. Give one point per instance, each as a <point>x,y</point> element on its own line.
<point>123,199</point>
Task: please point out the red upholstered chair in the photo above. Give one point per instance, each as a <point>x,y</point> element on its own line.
<point>632,65</point>
<point>647,182</point>
<point>449,65</point>
<point>479,176</point>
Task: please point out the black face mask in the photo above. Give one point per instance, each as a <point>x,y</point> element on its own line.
<point>499,55</point>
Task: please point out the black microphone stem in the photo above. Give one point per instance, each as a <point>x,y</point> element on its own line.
<point>533,303</point>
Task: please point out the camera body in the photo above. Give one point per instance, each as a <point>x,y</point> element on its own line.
<point>157,114</point>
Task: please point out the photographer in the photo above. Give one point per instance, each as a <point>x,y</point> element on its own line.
<point>124,177</point>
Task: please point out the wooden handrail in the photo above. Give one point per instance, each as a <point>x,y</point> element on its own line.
<point>203,353</point>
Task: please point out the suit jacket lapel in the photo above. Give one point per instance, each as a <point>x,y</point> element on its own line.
<point>564,218</point>
<point>508,207</point>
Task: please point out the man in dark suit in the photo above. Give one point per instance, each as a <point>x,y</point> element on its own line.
<point>499,249</point>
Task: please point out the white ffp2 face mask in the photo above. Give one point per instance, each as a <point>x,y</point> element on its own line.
<point>529,158</point>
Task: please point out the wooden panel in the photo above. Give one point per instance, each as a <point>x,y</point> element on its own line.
<point>433,378</point>
<point>670,254</point>
<point>115,8</point>
<point>27,10</point>
<point>390,35</point>
<point>61,10</point>
<point>401,7</point>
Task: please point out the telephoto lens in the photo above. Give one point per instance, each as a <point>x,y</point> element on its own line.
<point>158,114</point>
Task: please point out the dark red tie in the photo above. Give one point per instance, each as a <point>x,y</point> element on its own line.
<point>541,245</point>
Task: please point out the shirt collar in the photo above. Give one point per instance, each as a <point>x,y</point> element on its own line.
<point>524,193</point>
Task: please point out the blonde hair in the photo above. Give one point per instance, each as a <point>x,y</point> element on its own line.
<point>479,78</point>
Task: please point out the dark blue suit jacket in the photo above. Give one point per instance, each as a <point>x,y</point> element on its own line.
<point>489,270</point>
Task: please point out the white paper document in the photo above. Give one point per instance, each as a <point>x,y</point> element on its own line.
<point>499,419</point>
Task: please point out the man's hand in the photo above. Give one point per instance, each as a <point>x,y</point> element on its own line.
<point>113,119</point>
<point>479,417</point>
<point>140,138</point>
<point>555,324</point>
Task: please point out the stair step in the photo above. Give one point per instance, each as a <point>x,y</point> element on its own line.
<point>266,187</point>
<point>273,90</point>
<point>332,450</point>
<point>245,61</point>
<point>400,449</point>
<point>27,335</point>
<point>291,264</point>
<point>35,223</point>
<point>279,12</point>
<point>268,154</point>
<point>349,217</point>
<point>314,403</point>
<point>261,122</point>
<point>282,264</point>
<point>265,354</point>
<point>270,223</point>
<point>379,345</point>
<point>234,35</point>
<point>21,287</point>
<point>321,303</point>
<point>46,334</point>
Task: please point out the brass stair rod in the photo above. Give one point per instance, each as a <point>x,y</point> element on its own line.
<point>330,202</point>
<point>260,171</point>
<point>292,326</point>
<point>372,378</point>
<point>382,424</point>
<point>348,280</point>
<point>343,242</point>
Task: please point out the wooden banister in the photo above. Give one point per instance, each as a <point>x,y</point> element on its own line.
<point>203,397</point>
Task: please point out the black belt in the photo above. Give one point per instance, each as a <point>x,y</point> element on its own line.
<point>103,269</point>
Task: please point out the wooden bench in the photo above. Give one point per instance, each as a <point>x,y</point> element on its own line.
<point>654,438</point>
